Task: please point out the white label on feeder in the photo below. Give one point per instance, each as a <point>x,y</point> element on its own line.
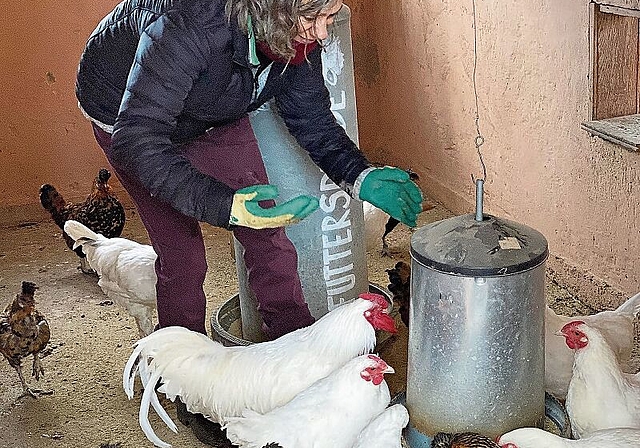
<point>336,238</point>
<point>509,243</point>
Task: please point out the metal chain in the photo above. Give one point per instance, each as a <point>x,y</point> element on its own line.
<point>479,140</point>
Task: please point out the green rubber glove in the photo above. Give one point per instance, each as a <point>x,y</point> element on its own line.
<point>245,210</point>
<point>391,190</point>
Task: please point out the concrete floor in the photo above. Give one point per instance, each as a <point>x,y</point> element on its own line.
<point>92,338</point>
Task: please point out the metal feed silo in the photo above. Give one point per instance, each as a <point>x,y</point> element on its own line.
<point>330,242</point>
<point>476,339</point>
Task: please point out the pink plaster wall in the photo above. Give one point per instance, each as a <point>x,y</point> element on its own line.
<point>414,84</point>
<point>43,136</point>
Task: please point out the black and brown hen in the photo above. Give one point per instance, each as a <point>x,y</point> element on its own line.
<point>101,211</point>
<point>24,331</point>
<point>399,287</point>
<point>462,440</point>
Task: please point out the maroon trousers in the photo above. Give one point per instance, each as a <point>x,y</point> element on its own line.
<point>231,155</point>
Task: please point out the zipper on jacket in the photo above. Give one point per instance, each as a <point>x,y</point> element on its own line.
<point>260,76</point>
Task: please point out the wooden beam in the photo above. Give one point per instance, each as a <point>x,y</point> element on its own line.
<point>624,131</point>
<point>620,11</point>
<point>626,4</point>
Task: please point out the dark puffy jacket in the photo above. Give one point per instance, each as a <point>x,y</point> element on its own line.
<point>164,71</point>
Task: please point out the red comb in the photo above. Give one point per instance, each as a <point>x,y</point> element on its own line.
<point>375,298</point>
<point>571,325</point>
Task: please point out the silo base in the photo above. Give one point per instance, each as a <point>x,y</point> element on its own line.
<point>556,421</point>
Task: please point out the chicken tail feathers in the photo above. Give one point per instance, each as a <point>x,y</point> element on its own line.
<point>154,359</point>
<point>80,233</point>
<point>630,306</point>
<point>149,381</point>
<point>50,198</point>
<point>149,397</point>
<point>136,363</point>
<point>53,202</point>
<point>130,370</point>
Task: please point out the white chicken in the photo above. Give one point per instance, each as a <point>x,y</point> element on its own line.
<point>603,438</point>
<point>330,413</point>
<point>384,431</point>
<point>126,271</point>
<point>220,382</point>
<point>617,326</point>
<point>375,221</point>
<point>600,395</point>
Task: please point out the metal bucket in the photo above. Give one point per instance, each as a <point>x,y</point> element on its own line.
<point>226,322</point>
<point>330,242</point>
<point>476,340</point>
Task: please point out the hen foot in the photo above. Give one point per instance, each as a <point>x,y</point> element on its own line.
<point>34,393</point>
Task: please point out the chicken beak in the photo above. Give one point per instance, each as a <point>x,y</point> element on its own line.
<point>389,369</point>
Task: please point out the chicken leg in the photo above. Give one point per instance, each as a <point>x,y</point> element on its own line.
<point>37,371</point>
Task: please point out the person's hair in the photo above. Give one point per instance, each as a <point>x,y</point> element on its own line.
<point>275,21</point>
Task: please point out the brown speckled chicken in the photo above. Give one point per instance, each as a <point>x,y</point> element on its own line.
<point>23,332</point>
<point>102,212</point>
<point>462,440</point>
<point>399,287</point>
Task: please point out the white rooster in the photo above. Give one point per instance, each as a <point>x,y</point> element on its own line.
<point>617,326</point>
<point>125,269</point>
<point>220,382</point>
<point>384,431</point>
<point>600,395</point>
<point>330,413</point>
<point>603,438</point>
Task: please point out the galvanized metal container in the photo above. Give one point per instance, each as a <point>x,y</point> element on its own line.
<point>226,321</point>
<point>330,242</point>
<point>476,339</point>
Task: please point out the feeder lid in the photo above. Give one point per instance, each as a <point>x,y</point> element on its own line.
<point>491,247</point>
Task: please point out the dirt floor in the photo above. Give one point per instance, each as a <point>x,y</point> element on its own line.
<point>92,338</point>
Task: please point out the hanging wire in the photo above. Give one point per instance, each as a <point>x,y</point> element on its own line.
<point>479,140</point>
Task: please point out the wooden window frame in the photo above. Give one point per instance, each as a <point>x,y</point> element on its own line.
<point>615,72</point>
